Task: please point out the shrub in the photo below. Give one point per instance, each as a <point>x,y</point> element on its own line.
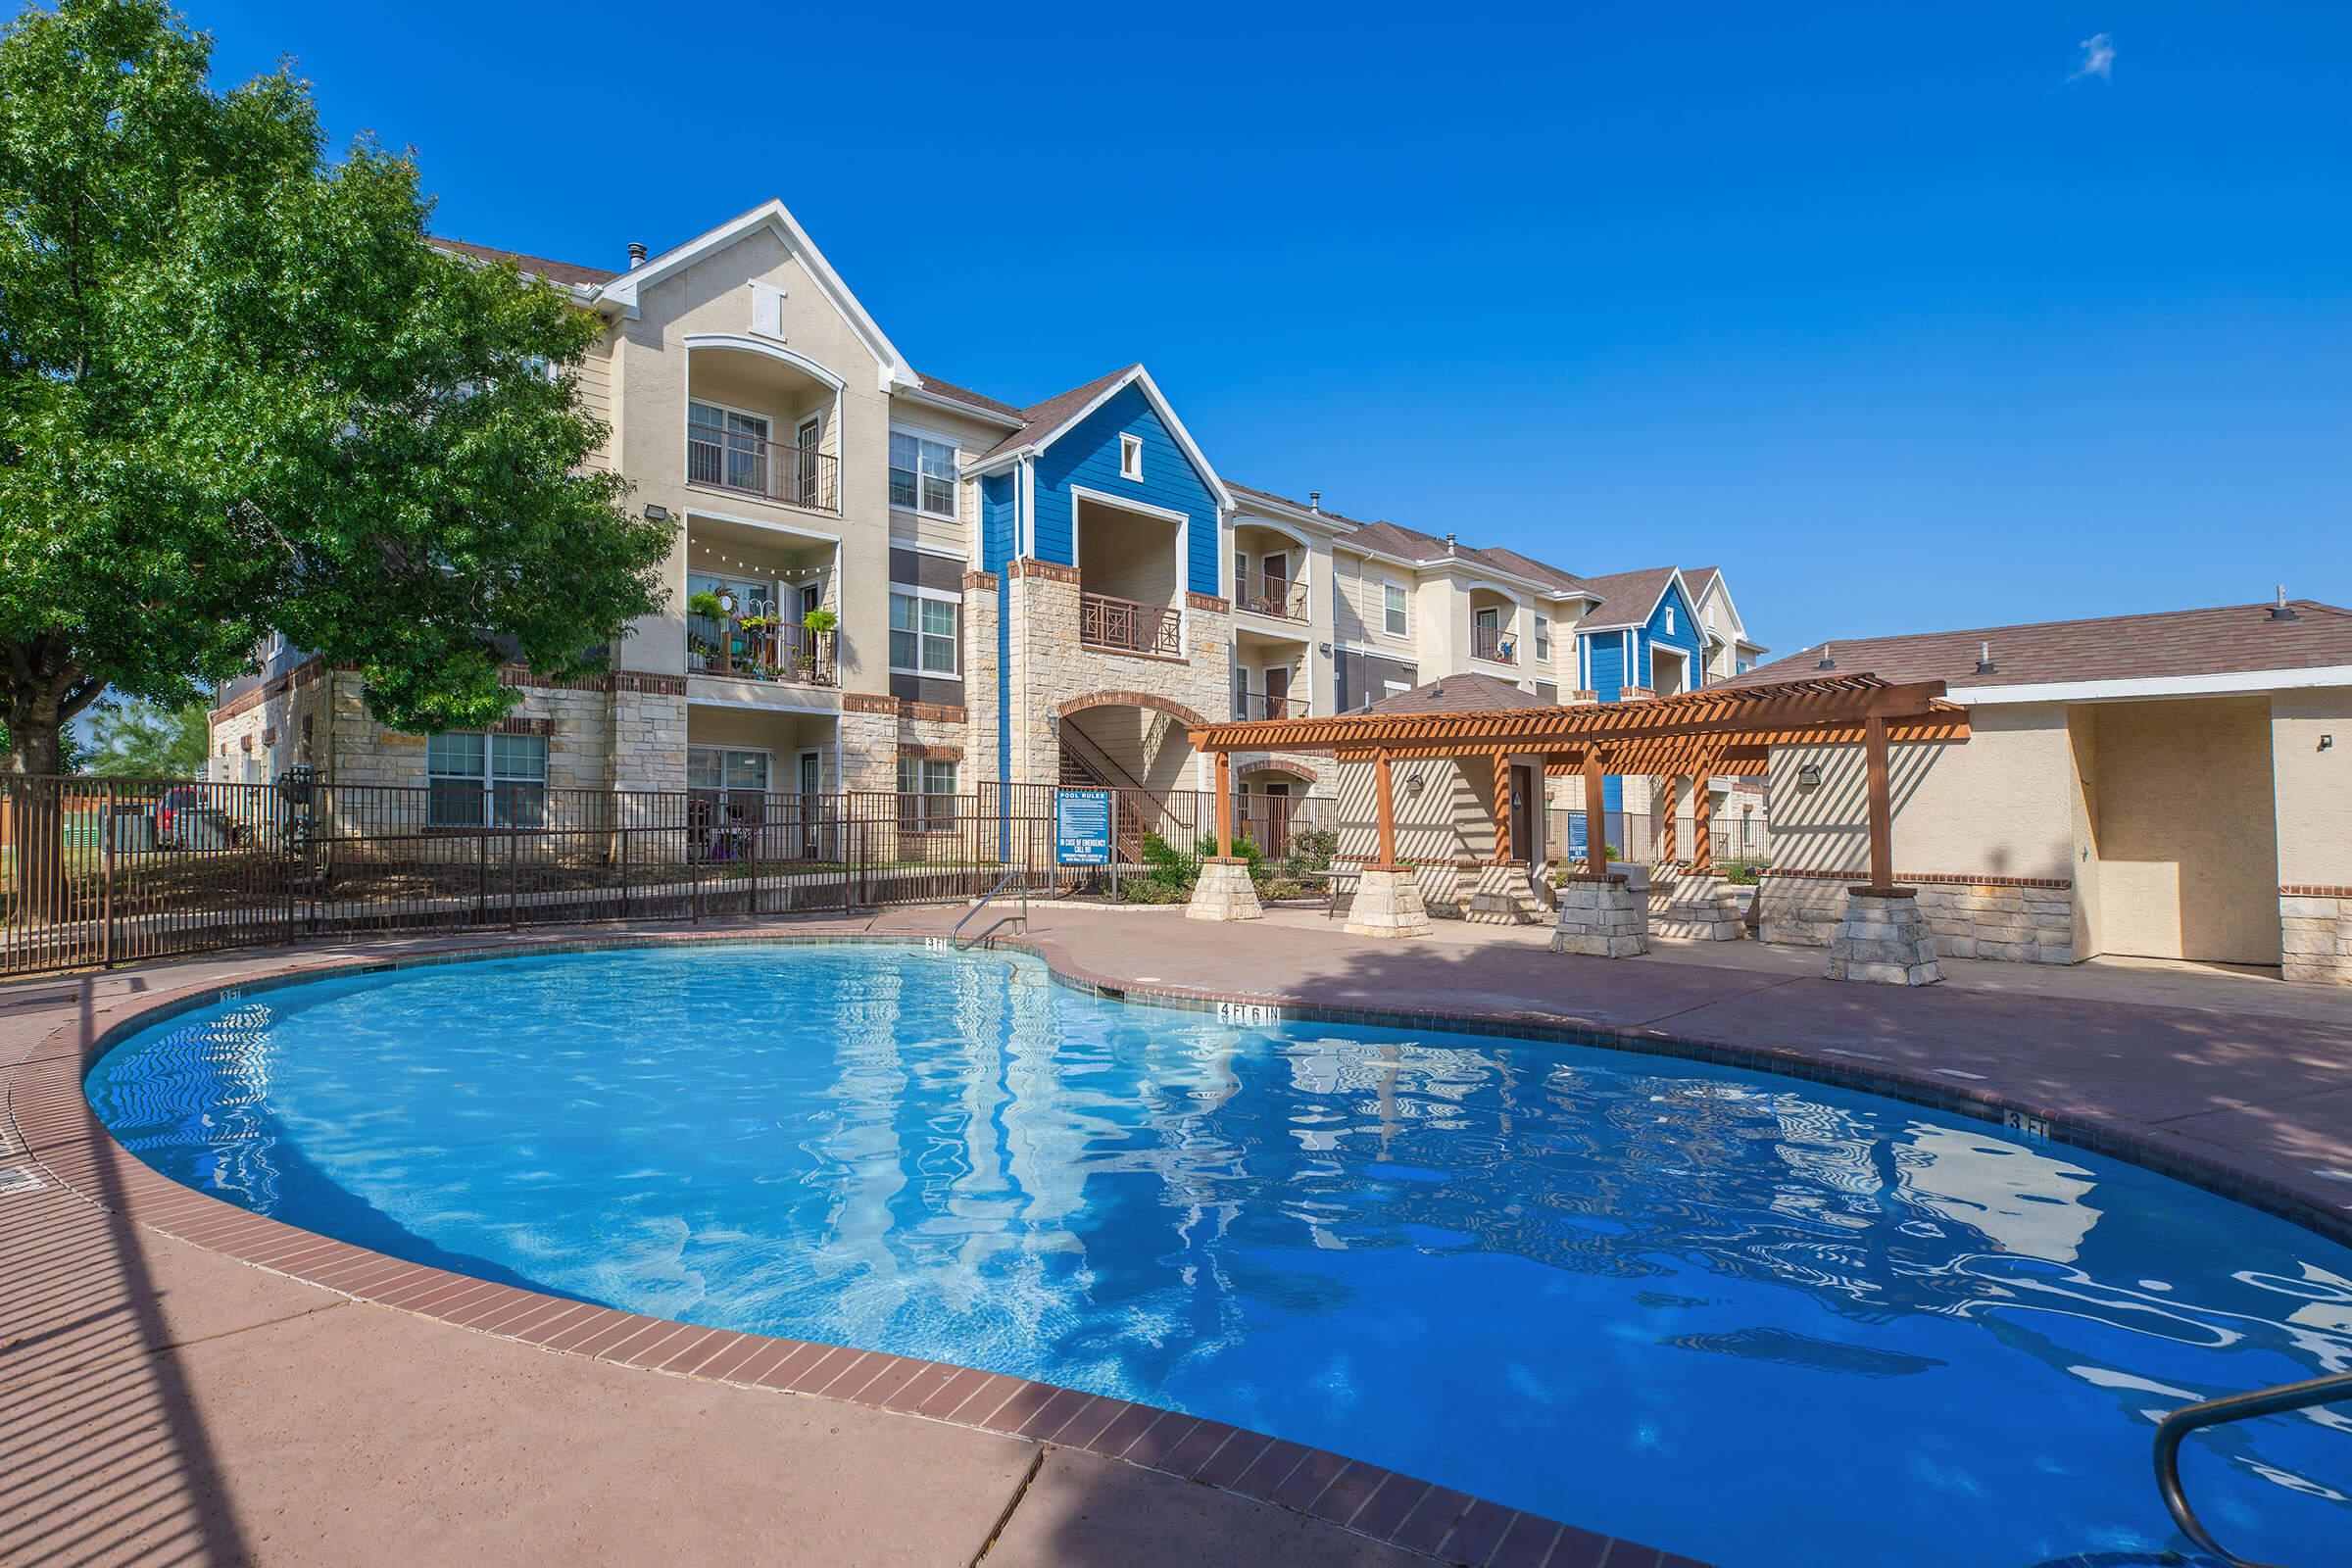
<point>1313,850</point>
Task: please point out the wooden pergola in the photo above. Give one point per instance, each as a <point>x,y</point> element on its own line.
<point>1694,735</point>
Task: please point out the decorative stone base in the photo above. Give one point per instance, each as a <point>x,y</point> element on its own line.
<point>1505,895</point>
<point>1388,903</point>
<point>1686,903</point>
<point>2315,934</point>
<point>1224,893</point>
<point>1602,918</point>
<point>2010,922</point>
<point>1883,940</point>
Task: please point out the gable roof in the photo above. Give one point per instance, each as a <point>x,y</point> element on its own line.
<point>1411,544</point>
<point>1458,694</point>
<point>2174,645</point>
<point>1629,598</point>
<point>1044,423</point>
<point>569,274</point>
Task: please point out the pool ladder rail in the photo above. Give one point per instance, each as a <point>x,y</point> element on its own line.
<point>2220,1412</point>
<point>1018,875</point>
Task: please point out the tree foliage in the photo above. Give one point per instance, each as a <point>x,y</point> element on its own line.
<point>131,738</point>
<point>240,393</point>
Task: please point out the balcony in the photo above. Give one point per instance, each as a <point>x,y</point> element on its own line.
<point>1262,593</point>
<point>744,464</point>
<point>1257,705</point>
<point>1495,643</point>
<point>1123,625</point>
<point>756,648</point>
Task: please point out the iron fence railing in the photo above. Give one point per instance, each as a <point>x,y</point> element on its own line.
<point>1639,838</point>
<point>1264,704</point>
<point>98,873</point>
<point>1264,593</point>
<point>1129,627</point>
<point>1495,643</point>
<point>771,469</point>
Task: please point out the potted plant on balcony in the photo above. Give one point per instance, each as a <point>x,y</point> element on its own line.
<point>816,623</point>
<point>709,607</point>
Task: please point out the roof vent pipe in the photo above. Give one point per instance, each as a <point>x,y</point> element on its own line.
<point>1314,501</point>
<point>1985,663</point>
<point>636,252</point>
<point>1449,544</point>
<point>1827,663</point>
<point>2281,610</point>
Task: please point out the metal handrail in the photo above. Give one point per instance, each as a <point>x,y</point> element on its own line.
<point>2215,1412</point>
<point>1021,874</point>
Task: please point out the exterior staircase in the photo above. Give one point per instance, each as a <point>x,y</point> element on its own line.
<point>1082,771</point>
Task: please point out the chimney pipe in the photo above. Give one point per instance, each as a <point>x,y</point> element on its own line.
<point>1827,663</point>
<point>1314,501</point>
<point>636,252</point>
<point>2281,610</point>
<point>1985,663</point>
<point>1449,544</point>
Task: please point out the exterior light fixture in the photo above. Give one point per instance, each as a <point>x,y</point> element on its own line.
<point>1808,776</point>
<point>1413,782</point>
<point>655,513</point>
<point>2326,743</point>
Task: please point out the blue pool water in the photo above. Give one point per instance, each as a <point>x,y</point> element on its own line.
<point>1755,1320</point>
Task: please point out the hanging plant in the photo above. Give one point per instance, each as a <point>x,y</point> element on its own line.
<point>706,605</point>
<point>820,619</point>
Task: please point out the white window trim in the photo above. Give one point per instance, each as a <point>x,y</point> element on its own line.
<point>1131,455</point>
<point>1405,594</point>
<point>916,591</point>
<point>954,512</point>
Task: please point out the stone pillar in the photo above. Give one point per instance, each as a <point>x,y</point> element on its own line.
<point>1388,905</point>
<point>1224,893</point>
<point>1504,895</point>
<point>1602,918</point>
<point>1697,904</point>
<point>2315,932</point>
<point>1883,940</point>
<point>982,764</point>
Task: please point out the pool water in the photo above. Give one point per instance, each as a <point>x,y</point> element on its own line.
<point>1754,1320</point>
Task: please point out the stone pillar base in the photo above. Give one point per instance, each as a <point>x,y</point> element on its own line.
<point>1505,895</point>
<point>1683,903</point>
<point>1224,893</point>
<point>1602,918</point>
<point>2316,935</point>
<point>1386,903</point>
<point>1885,940</point>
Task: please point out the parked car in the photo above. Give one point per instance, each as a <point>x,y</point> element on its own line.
<point>183,819</point>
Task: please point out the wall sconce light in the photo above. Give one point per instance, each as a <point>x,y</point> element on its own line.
<point>1412,782</point>
<point>1808,776</point>
<point>2326,743</point>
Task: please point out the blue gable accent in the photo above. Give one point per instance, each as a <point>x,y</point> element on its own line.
<point>1088,455</point>
<point>996,542</point>
<point>1607,651</point>
<point>1685,635</point>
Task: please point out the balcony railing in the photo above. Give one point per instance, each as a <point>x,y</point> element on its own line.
<point>1263,594</point>
<point>1257,705</point>
<point>770,469</point>
<point>792,654</point>
<point>1129,628</point>
<point>1494,643</point>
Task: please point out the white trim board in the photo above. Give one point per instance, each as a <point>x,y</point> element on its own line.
<point>2153,686</point>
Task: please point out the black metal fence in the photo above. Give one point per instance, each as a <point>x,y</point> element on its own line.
<point>95,872</point>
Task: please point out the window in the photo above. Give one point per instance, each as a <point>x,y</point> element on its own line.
<point>922,474</point>
<point>478,780</point>
<point>1544,639</point>
<point>1241,573</point>
<point>922,633</point>
<point>1131,456</point>
<point>926,795</point>
<point>1392,608</point>
<point>726,448</point>
<point>1241,692</point>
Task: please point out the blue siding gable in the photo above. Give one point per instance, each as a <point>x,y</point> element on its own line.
<point>1088,455</point>
<point>1685,635</point>
<point>997,540</point>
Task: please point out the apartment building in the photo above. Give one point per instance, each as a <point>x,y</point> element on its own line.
<point>886,581</point>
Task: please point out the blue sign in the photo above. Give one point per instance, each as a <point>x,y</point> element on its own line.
<point>1082,827</point>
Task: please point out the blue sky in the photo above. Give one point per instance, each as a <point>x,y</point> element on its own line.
<point>1897,311</point>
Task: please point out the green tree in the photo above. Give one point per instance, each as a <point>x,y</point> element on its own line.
<point>240,393</point>
<point>137,739</point>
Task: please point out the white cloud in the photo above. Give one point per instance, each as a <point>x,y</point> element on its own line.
<point>2099,58</point>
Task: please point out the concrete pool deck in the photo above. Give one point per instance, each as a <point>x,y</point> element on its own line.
<point>162,1401</point>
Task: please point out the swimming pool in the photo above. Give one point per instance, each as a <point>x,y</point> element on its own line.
<point>1745,1318</point>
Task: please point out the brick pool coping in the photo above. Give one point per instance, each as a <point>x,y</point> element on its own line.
<point>57,1128</point>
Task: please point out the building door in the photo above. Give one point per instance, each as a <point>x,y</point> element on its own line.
<point>1523,813</point>
<point>1278,691</point>
<point>812,782</point>
<point>1274,582</point>
<point>804,463</point>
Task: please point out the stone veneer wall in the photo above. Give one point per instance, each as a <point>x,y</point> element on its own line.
<point>2315,930</point>
<point>2013,919</point>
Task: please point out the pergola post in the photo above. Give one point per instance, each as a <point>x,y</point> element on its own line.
<point>1883,937</point>
<point>1383,802</point>
<point>1600,917</point>
<point>1596,825</point>
<point>1502,807</point>
<point>1882,804</point>
<point>1224,782</point>
<point>1702,827</point>
<point>1670,798</point>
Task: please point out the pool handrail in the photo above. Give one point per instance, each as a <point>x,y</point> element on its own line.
<point>1019,874</point>
<point>2246,1406</point>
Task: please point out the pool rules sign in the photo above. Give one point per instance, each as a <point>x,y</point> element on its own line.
<point>1082,827</point>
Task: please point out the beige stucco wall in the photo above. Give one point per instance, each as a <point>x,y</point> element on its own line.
<point>1998,805</point>
<point>2313,788</point>
<point>2185,833</point>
